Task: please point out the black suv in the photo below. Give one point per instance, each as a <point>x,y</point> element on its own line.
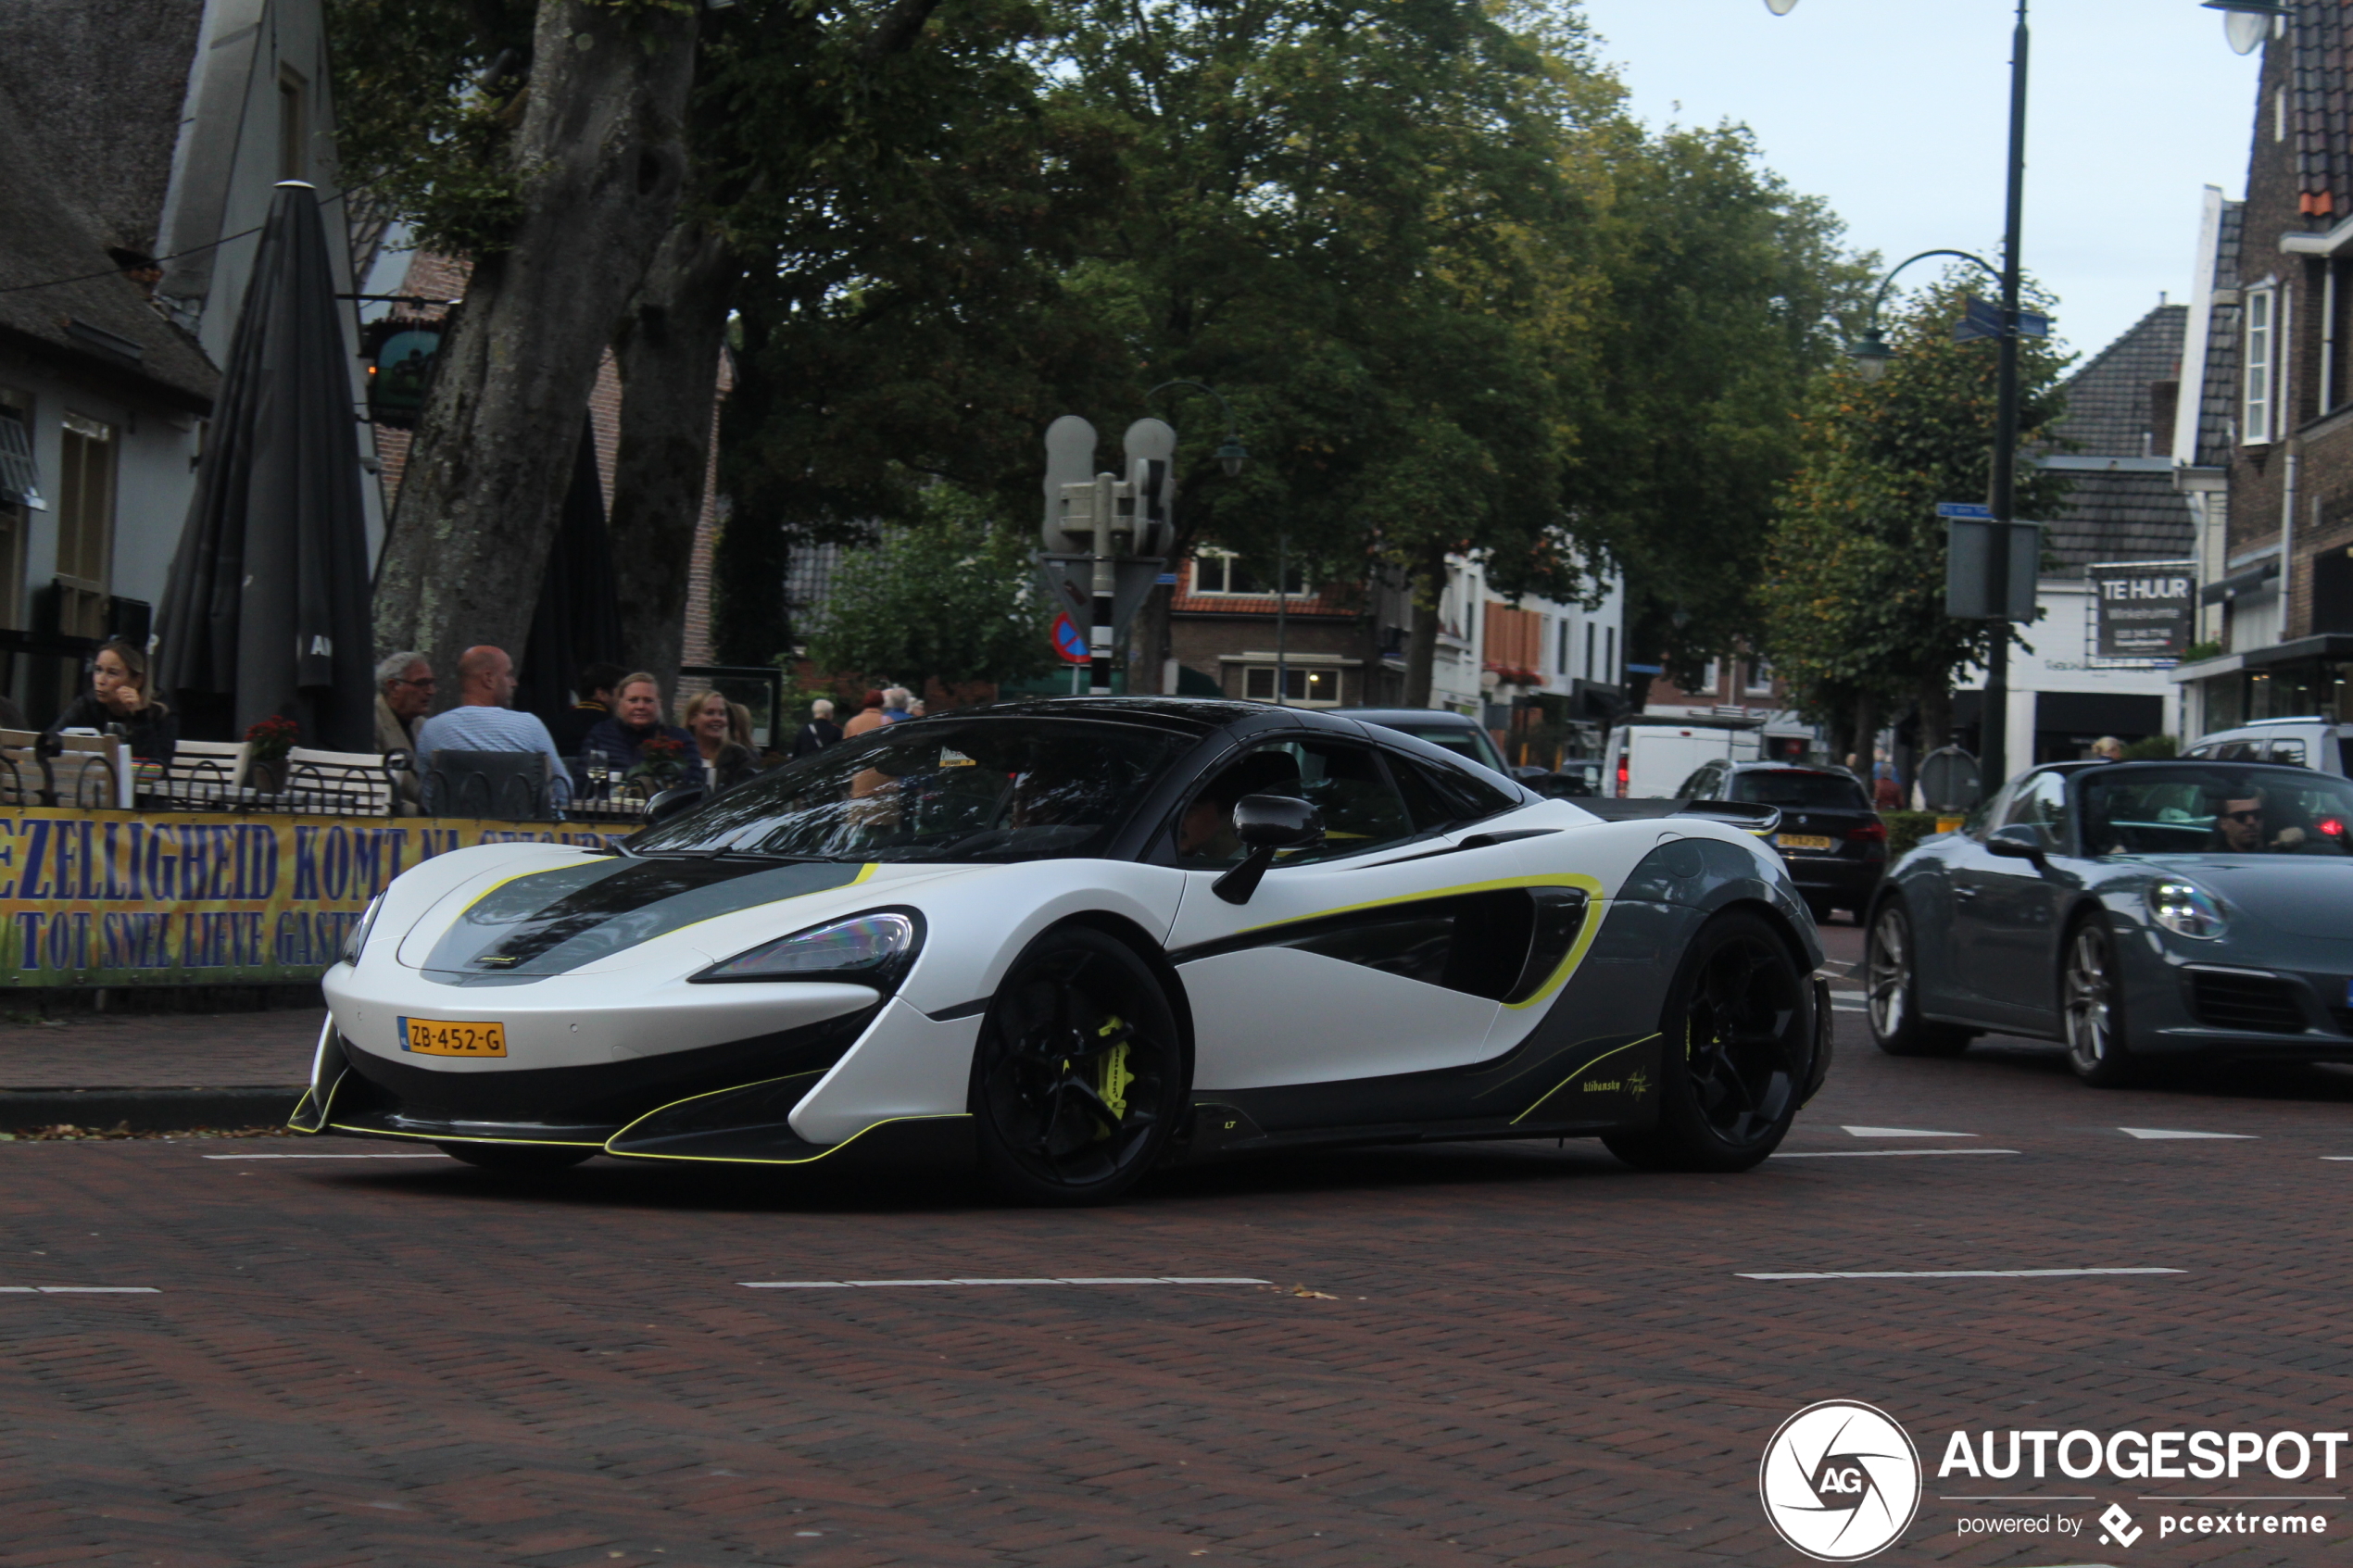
<point>1834,843</point>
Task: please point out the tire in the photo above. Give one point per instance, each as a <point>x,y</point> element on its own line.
<point>518,1158</point>
<point>2092,1006</point>
<point>1081,1074</point>
<point>1892,991</point>
<point>1739,1026</point>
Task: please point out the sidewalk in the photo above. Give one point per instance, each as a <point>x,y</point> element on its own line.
<point>157,1070</point>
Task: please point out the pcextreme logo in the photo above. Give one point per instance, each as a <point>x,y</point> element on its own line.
<point>1840,1481</point>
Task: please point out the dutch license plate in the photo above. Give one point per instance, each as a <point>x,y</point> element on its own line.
<point>440,1036</point>
<point>1802,841</point>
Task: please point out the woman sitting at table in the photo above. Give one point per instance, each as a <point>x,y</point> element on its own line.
<point>720,741</point>
<point>117,694</point>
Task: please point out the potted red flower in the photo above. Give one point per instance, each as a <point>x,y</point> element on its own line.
<point>267,742</point>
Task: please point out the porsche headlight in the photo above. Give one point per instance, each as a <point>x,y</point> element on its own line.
<point>874,949</point>
<point>357,943</point>
<point>2186,909</point>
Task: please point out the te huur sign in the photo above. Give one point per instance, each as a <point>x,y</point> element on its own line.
<point>2142,609</point>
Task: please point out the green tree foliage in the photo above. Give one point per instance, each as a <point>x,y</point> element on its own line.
<point>1854,596</point>
<point>1719,281</point>
<point>948,596</point>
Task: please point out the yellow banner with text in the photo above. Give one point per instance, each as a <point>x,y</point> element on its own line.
<point>139,897</point>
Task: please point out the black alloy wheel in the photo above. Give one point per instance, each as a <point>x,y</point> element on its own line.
<point>2090,998</point>
<point>1080,1075</point>
<point>1892,991</point>
<point>518,1158</point>
<point>1739,1036</point>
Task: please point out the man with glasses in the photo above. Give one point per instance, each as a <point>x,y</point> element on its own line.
<point>2239,827</point>
<point>403,690</point>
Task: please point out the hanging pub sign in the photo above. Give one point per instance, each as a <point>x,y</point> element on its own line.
<point>2142,609</point>
<point>399,357</point>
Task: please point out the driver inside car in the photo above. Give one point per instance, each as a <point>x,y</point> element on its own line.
<point>1205,833</point>
<point>2240,824</point>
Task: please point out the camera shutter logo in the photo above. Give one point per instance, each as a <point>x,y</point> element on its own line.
<point>1840,1481</point>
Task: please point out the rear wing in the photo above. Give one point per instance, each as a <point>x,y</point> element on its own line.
<point>1741,814</point>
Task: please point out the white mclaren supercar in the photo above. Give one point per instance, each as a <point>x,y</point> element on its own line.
<point>1105,935</point>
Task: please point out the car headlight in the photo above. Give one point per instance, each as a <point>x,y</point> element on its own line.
<point>357,943</point>
<point>2186,909</point>
<point>875,949</point>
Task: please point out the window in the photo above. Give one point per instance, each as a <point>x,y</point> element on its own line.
<point>2255,423</point>
<point>85,526</point>
<point>1302,687</point>
<point>1560,652</point>
<point>1759,680</point>
<point>1590,673</point>
<point>293,126</point>
<point>19,490</point>
<point>1222,571</point>
<point>1361,808</point>
<point>2041,802</point>
<point>1610,667</point>
<point>1441,796</point>
<point>1710,677</point>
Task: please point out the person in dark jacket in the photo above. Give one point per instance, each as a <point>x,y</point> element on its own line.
<point>570,729</point>
<point>637,719</point>
<point>820,731</point>
<point>726,760</point>
<point>117,694</point>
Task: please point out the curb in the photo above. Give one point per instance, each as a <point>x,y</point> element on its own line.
<point>147,1110</point>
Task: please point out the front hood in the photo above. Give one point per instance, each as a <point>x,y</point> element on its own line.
<point>519,927</point>
<point>2304,895</point>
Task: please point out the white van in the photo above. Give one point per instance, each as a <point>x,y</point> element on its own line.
<point>2310,742</point>
<point>1650,757</point>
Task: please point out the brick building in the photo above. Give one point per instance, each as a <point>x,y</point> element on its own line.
<point>2265,452</point>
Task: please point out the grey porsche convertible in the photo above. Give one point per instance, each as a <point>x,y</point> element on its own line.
<point>2142,913</point>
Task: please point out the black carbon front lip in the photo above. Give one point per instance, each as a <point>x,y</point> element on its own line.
<point>571,1104</point>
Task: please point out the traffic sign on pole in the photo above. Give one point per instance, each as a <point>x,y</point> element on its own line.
<point>1975,511</point>
<point>1069,641</point>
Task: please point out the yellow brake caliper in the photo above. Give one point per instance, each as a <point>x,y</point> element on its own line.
<point>1112,1083</point>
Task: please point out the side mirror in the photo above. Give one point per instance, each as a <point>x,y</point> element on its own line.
<point>1266,824</point>
<point>673,801</point>
<point>2019,841</point>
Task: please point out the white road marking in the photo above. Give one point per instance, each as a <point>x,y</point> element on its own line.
<point>79,1290</point>
<point>1968,1274</point>
<point>2337,1156</point>
<point>2169,1132</point>
<point>872,1284</point>
<point>433,1154</point>
<point>1878,1153</point>
<point>1900,1133</point>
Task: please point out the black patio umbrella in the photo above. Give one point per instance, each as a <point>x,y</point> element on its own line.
<point>578,621</point>
<point>266,611</point>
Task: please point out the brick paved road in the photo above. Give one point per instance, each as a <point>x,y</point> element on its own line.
<point>1521,1355</point>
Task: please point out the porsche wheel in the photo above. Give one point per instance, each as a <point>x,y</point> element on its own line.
<point>2090,996</point>
<point>517,1159</point>
<point>1739,1027</point>
<point>1891,979</point>
<point>1080,1072</point>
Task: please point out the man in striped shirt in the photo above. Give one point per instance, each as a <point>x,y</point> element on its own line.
<point>484,721</point>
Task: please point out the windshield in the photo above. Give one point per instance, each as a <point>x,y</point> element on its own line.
<point>2214,809</point>
<point>1460,739</point>
<point>1779,786</point>
<point>944,789</point>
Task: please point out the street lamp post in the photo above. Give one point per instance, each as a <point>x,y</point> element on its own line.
<point>1231,455</point>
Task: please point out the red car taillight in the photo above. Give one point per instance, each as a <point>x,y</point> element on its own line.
<point>1868,832</point>
<point>1625,774</point>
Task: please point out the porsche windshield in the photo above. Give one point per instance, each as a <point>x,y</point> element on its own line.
<point>2207,808</point>
<point>943,789</point>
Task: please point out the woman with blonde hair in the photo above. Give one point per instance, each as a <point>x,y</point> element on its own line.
<point>117,694</point>
<point>727,760</point>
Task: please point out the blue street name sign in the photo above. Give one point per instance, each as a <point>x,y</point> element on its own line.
<point>1976,510</point>
<point>1983,318</point>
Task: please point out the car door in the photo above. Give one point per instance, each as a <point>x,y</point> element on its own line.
<point>2005,911</point>
<point>1365,957</point>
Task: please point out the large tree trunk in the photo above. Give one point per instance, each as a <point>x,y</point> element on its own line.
<point>601,154</point>
<point>1427,581</point>
<point>1866,746</point>
<point>1936,715</point>
<point>668,348</point>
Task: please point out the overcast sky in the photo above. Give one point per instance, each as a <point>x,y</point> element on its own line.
<point>1895,111</point>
